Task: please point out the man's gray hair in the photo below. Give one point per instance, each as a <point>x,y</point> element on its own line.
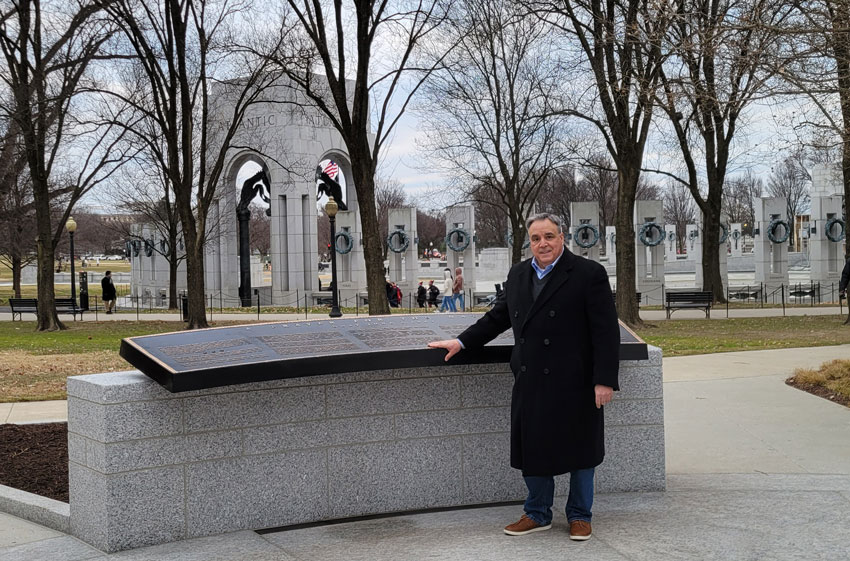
<point>554,219</point>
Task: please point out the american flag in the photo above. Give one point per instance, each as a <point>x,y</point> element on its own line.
<point>331,169</point>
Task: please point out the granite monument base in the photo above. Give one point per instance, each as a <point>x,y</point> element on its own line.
<point>148,466</point>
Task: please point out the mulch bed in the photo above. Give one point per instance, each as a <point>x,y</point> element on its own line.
<point>34,458</point>
<point>819,391</point>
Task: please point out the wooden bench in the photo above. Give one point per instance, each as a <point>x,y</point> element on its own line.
<point>30,305</point>
<point>684,300</point>
<point>23,305</point>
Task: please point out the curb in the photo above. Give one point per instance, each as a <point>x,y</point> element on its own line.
<point>35,508</point>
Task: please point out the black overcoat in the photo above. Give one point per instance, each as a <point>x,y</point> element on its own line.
<point>566,341</point>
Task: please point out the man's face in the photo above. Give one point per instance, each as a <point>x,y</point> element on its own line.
<point>546,242</point>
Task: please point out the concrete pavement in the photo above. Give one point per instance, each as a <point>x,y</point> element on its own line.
<point>757,470</point>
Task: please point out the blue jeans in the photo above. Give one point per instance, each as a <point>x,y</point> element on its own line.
<point>448,303</point>
<point>541,495</point>
<point>459,298</point>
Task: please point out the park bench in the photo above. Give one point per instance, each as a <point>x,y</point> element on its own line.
<point>684,300</point>
<point>23,305</point>
<point>30,305</point>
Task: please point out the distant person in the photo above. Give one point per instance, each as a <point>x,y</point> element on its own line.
<point>421,295</point>
<point>398,295</point>
<point>448,304</point>
<point>108,291</point>
<point>433,292</point>
<point>845,280</point>
<point>457,290</point>
<point>392,295</point>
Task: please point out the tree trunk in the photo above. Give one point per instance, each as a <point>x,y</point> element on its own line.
<point>518,232</point>
<point>172,281</point>
<point>712,282</point>
<point>16,275</point>
<point>48,319</point>
<point>627,305</point>
<point>195,288</point>
<point>364,183</point>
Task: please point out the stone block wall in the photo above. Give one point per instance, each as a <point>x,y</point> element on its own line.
<point>148,466</point>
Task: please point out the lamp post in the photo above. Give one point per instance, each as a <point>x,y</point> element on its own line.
<point>331,208</point>
<point>71,226</point>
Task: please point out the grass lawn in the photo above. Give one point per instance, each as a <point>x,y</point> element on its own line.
<point>61,291</point>
<point>692,337</point>
<point>33,366</point>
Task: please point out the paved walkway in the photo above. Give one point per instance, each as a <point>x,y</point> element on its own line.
<point>757,470</point>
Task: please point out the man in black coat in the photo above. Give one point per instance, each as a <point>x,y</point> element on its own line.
<point>108,291</point>
<point>845,279</point>
<point>565,363</point>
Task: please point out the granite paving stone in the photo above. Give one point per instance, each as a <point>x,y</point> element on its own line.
<point>394,396</point>
<point>253,408</point>
<point>256,492</point>
<point>487,390</point>
<point>63,548</point>
<point>236,546</point>
<point>315,434</point>
<point>394,476</point>
<point>453,422</point>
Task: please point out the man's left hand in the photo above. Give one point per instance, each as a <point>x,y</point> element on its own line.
<point>604,394</point>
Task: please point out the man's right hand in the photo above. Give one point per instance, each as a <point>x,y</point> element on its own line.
<point>451,345</point>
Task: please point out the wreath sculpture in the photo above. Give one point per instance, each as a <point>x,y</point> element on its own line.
<point>828,228</point>
<point>736,235</point>
<point>136,247</point>
<point>525,244</point>
<point>163,247</point>
<point>771,230</point>
<point>404,241</point>
<point>593,238</point>
<point>463,239</point>
<point>148,247</point>
<point>349,242</point>
<point>613,237</point>
<point>128,249</point>
<point>724,233</point>
<point>645,231</point>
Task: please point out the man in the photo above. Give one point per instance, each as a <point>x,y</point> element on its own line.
<point>565,364</point>
<point>421,295</point>
<point>457,290</point>
<point>108,291</point>
<point>433,292</point>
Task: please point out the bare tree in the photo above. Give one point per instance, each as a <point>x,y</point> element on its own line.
<point>816,64</point>
<point>724,54</point>
<point>388,194</point>
<point>679,209</point>
<point>739,197</point>
<point>186,62</point>
<point>489,114</point>
<point>619,43</point>
<point>17,228</point>
<point>47,50</point>
<point>789,179</point>
<point>340,55</point>
<point>559,190</point>
<point>431,227</point>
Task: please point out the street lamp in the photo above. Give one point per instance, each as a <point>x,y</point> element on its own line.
<point>331,208</point>
<point>71,226</point>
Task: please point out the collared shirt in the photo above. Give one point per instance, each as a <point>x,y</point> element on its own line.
<point>543,272</point>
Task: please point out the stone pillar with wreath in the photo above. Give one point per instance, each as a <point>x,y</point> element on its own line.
<point>649,251</point>
<point>770,243</point>
<point>402,253</point>
<point>736,239</point>
<point>584,236</point>
<point>826,238</point>
<point>460,244</point>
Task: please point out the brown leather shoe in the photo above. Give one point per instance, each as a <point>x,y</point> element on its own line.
<point>525,525</point>
<point>580,530</point>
